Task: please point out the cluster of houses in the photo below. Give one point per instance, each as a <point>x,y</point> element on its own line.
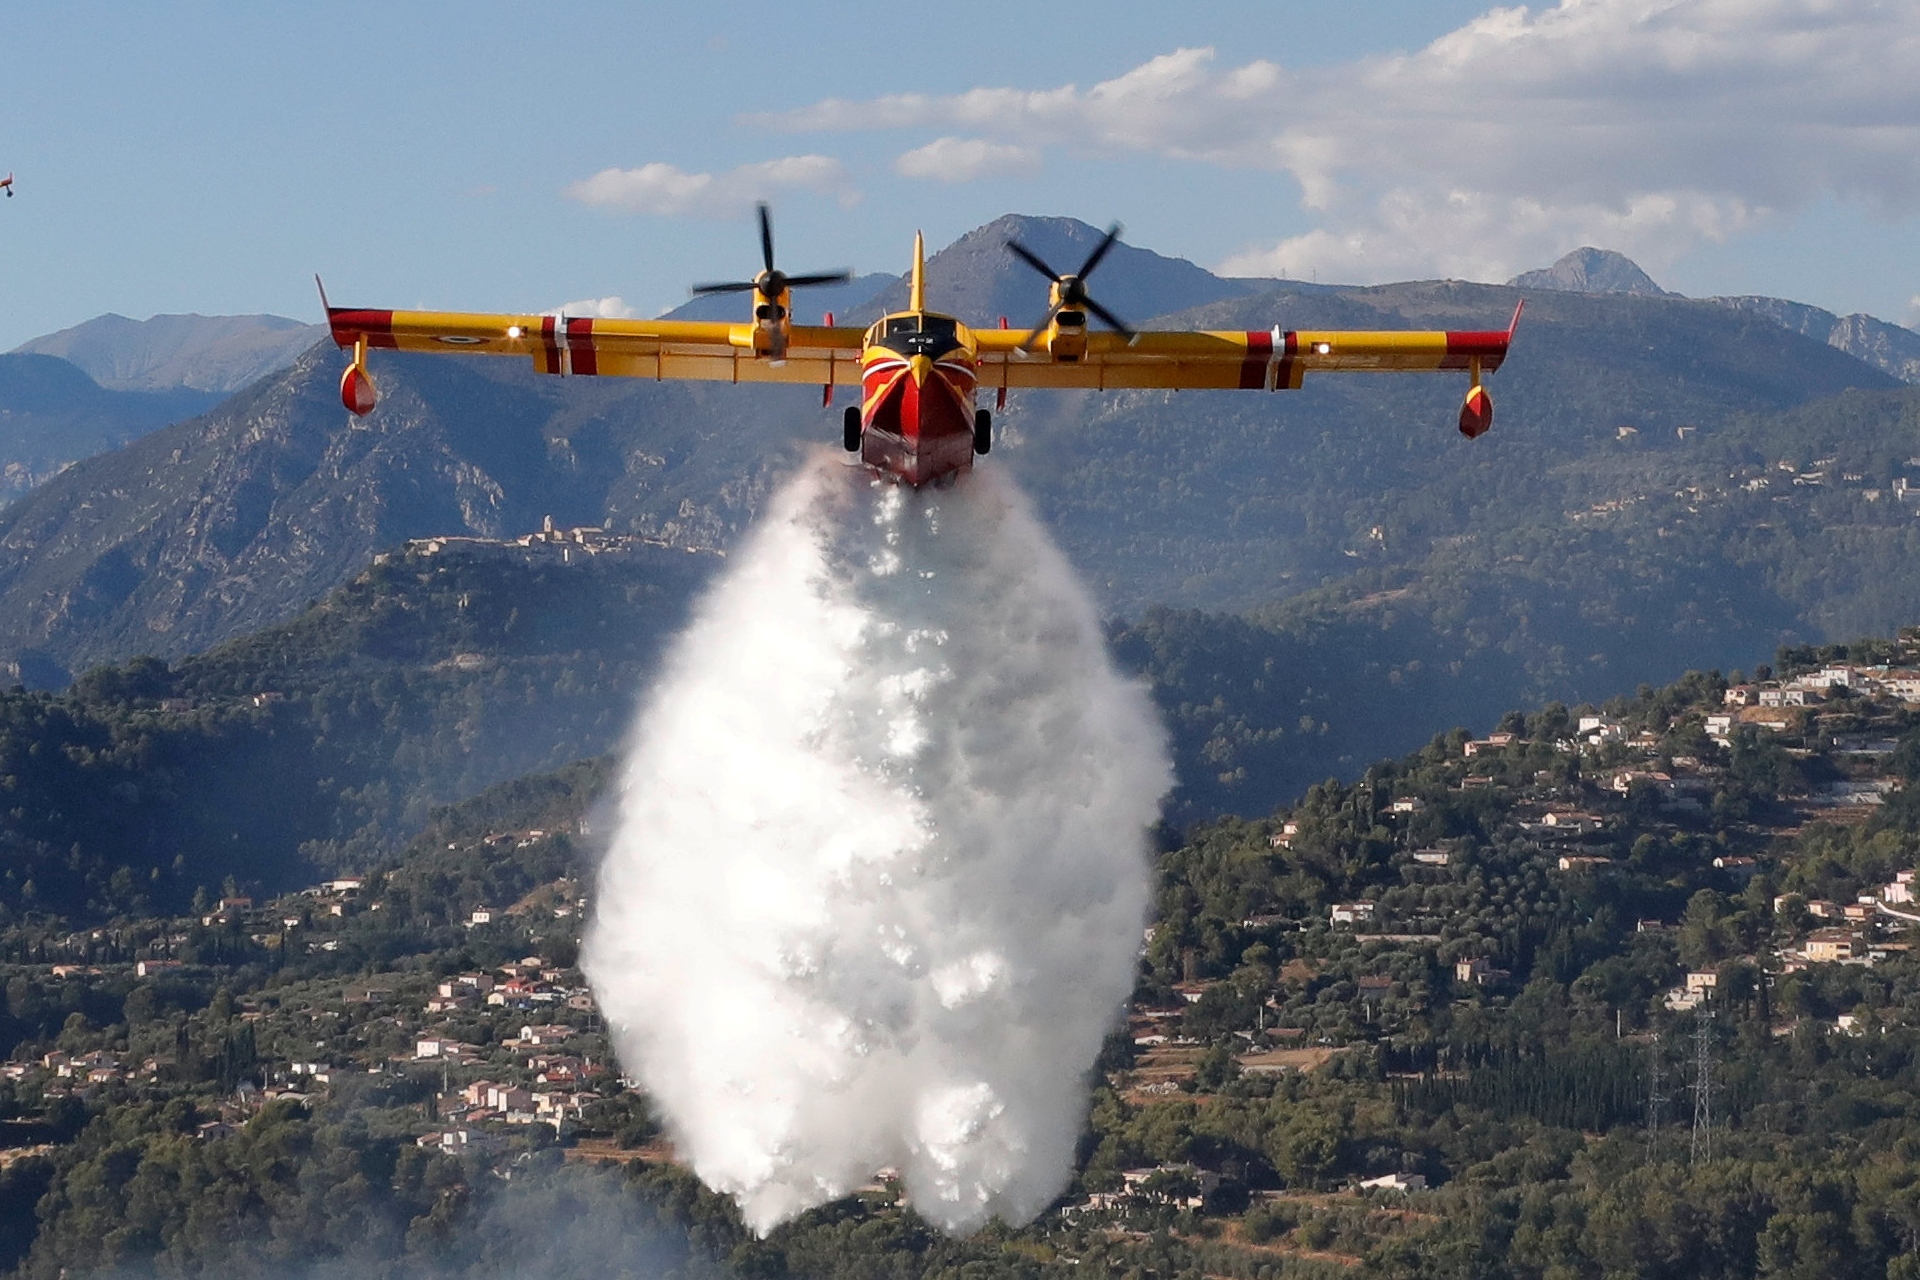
<point>540,1067</point>
<point>521,987</point>
<point>1562,825</point>
<point>549,543</point>
<point>507,1103</point>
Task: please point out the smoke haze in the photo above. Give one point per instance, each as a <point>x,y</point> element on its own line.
<point>876,890</point>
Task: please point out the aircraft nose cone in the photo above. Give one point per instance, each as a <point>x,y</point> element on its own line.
<point>921,367</point>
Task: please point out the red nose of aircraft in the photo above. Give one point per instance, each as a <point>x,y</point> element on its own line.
<point>919,418</point>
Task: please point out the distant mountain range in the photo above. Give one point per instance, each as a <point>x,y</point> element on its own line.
<point>52,415</point>
<point>1391,577</point>
<point>98,385</point>
<point>1197,499</point>
<point>217,354</point>
<point>1887,347</point>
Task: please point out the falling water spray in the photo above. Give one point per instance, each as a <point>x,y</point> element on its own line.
<point>876,889</point>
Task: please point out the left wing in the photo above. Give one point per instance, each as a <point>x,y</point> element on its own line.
<point>1247,360</point>
<point>1251,360</point>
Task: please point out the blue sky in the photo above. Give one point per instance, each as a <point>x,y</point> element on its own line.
<point>212,157</point>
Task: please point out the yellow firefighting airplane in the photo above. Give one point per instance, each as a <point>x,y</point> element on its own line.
<point>919,371</point>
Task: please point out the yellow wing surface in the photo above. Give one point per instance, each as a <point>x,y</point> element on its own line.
<point>1251,360</point>
<point>1273,360</point>
<point>661,349</point>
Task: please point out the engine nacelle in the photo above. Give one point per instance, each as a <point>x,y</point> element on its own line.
<point>1476,415</point>
<point>358,394</point>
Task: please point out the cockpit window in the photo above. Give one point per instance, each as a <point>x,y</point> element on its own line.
<point>944,325</point>
<point>918,334</point>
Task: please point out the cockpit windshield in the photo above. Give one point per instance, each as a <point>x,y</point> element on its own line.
<point>919,323</point>
<point>918,334</point>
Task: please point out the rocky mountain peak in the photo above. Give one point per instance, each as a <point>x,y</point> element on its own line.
<point>1590,270</point>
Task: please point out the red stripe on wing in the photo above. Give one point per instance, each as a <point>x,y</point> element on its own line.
<point>349,326</point>
<point>580,353</point>
<point>1253,369</point>
<point>1488,345</point>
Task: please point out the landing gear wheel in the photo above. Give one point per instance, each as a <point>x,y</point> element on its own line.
<point>982,431</point>
<point>850,429</point>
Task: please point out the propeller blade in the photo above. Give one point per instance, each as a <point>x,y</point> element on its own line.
<point>823,277</point>
<point>727,286</point>
<point>1113,322</point>
<point>1032,259</point>
<point>1033,336</point>
<point>1099,252</point>
<point>766,235</point>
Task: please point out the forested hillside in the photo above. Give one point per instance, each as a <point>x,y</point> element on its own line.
<point>1485,979</point>
<point>1567,582</point>
<point>324,742</point>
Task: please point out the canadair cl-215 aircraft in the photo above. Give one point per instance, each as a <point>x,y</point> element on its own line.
<point>920,373</point>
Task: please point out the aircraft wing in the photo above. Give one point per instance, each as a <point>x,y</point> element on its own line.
<point>659,349</point>
<point>1252,359</point>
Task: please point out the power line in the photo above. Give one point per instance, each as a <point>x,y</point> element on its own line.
<point>1701,1148</point>
<point>1655,1098</point>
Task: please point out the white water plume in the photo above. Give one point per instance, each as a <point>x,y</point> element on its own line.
<point>876,889</point>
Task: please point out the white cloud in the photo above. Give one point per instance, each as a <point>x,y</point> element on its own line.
<point>965,159</point>
<point>1647,126</point>
<point>1913,312</point>
<point>665,189</point>
<point>611,307</point>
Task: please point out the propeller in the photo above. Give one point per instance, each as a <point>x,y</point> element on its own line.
<point>1071,290</point>
<point>772,282</point>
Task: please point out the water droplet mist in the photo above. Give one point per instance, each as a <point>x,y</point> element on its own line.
<point>875,892</point>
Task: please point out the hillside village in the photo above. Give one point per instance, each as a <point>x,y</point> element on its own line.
<point>1723,846</point>
<point>513,1044</point>
<point>549,544</point>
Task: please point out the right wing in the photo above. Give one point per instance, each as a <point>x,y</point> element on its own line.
<point>710,351</point>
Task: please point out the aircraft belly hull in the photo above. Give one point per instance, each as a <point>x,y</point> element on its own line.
<point>918,429</point>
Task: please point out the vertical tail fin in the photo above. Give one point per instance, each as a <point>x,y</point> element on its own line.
<point>917,292</point>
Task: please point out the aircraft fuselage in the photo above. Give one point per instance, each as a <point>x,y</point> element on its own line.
<point>918,372</point>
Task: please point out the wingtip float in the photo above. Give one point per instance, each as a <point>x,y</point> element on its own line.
<point>919,371</point>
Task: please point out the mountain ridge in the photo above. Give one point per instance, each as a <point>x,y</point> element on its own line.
<point>52,415</point>
<point>1890,348</point>
<point>1219,501</point>
<point>1591,270</point>
<point>201,353</point>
